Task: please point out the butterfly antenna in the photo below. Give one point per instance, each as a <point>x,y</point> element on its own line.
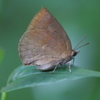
<point>76,47</point>
<point>82,45</point>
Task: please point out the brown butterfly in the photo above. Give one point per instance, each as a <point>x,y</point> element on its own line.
<point>45,43</point>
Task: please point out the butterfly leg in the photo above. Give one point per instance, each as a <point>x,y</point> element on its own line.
<point>70,64</point>
<point>54,69</point>
<point>73,61</point>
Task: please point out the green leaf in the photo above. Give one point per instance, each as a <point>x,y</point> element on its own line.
<point>29,76</point>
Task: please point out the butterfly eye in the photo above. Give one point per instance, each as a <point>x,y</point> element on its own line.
<point>75,53</point>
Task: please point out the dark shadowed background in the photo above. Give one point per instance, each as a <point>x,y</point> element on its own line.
<point>79,18</point>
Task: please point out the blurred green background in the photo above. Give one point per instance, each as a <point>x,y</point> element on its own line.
<point>79,18</point>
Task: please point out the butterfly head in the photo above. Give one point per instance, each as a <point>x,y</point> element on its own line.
<point>74,53</point>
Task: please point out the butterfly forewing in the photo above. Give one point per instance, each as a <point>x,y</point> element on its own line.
<point>44,41</point>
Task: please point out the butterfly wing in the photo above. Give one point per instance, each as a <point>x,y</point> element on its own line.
<point>44,41</point>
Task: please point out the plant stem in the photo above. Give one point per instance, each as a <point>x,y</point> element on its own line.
<point>4,96</point>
